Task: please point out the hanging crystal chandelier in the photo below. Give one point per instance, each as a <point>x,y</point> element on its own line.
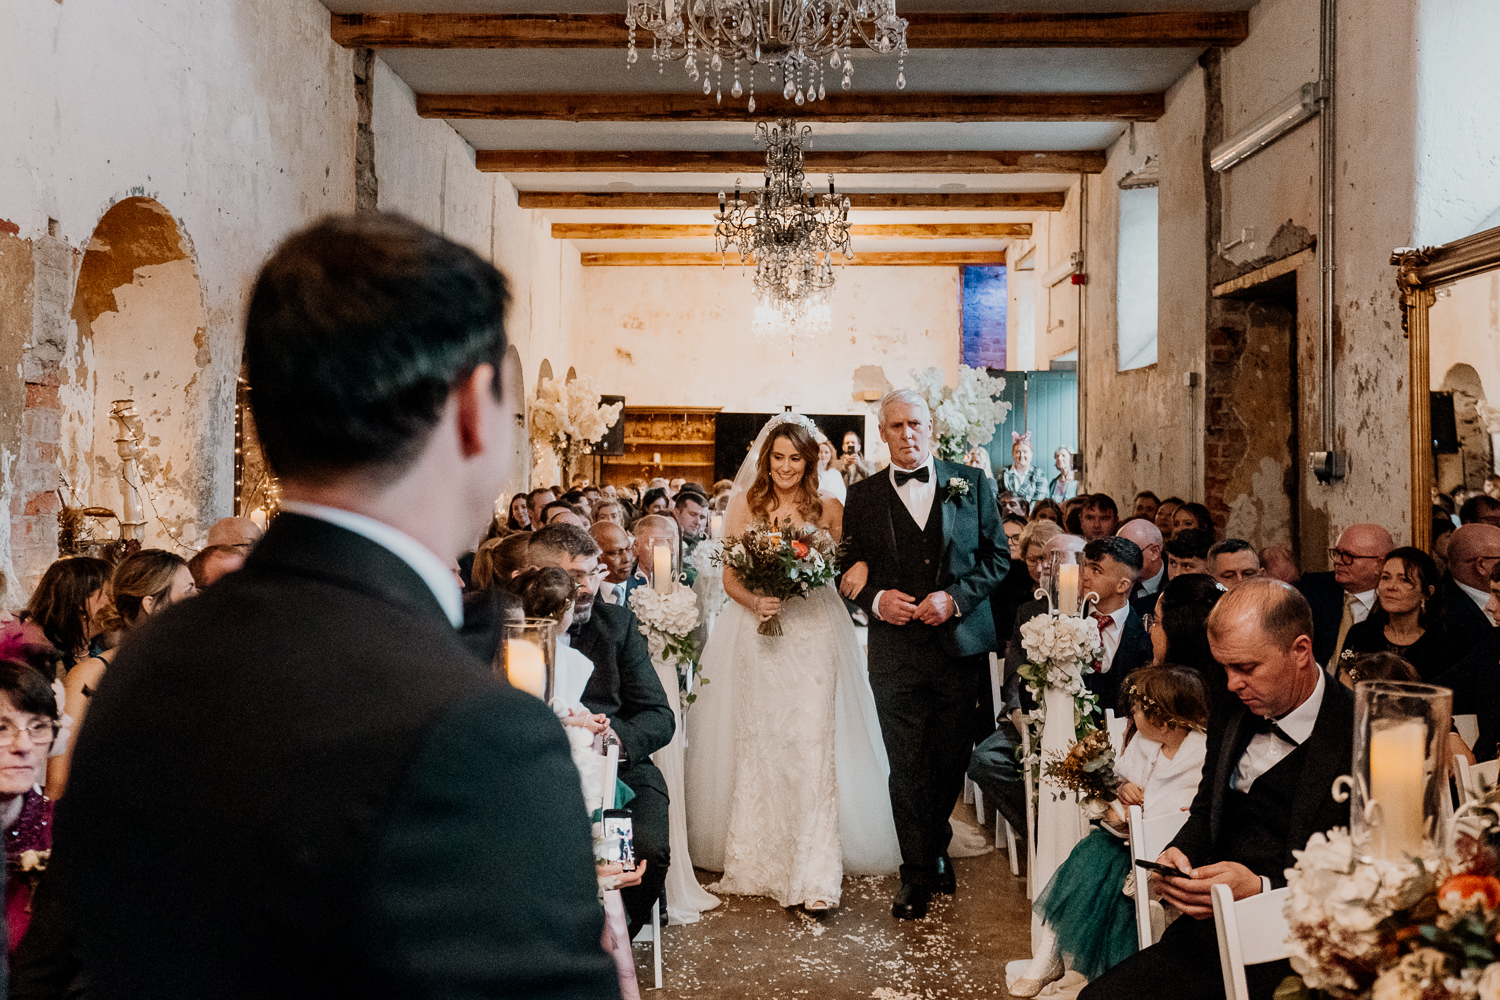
<point>800,38</point>
<point>790,233</point>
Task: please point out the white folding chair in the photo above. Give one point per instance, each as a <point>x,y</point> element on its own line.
<point>1002,825</point>
<point>1468,728</point>
<point>1148,838</point>
<point>1251,931</point>
<point>1472,778</point>
<point>1030,787</point>
<point>1115,727</point>
<point>609,772</point>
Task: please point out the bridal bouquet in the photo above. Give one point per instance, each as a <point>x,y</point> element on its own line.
<point>964,416</point>
<point>667,621</point>
<point>1088,768</point>
<point>1057,647</point>
<point>781,561</point>
<point>1396,930</point>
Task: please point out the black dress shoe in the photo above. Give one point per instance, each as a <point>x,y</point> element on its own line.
<point>947,884</point>
<point>910,903</point>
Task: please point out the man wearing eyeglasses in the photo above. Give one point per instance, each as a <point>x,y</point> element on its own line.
<point>1473,554</point>
<point>1346,595</point>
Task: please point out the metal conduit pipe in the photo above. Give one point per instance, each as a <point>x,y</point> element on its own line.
<point>1327,155</point>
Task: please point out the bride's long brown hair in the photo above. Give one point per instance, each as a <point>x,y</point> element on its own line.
<point>762,494</point>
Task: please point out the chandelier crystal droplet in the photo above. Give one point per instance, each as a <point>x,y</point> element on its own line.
<point>792,35</point>
<point>787,231</point>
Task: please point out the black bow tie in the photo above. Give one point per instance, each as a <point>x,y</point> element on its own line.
<point>1261,724</point>
<point>921,475</point>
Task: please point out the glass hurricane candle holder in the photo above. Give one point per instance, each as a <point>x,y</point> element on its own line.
<point>1062,583</point>
<point>1400,769</point>
<point>664,568</point>
<point>530,650</point>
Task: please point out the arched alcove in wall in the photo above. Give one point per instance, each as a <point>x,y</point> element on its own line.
<point>545,371</point>
<point>513,381</point>
<point>143,336</point>
<point>572,374</point>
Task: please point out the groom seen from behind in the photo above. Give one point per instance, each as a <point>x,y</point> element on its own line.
<point>929,533</point>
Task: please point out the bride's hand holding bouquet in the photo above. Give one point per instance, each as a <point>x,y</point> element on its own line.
<point>776,562</point>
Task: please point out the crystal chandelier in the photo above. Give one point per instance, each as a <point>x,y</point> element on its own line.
<point>790,233</point>
<point>798,37</point>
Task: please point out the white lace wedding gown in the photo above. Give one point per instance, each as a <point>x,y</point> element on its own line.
<point>786,772</point>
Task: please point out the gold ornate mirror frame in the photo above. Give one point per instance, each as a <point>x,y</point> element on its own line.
<point>1419,273</point>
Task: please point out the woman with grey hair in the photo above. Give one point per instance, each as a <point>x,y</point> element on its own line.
<point>1064,485</point>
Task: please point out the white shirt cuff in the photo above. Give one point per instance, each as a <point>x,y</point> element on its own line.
<point>875,608</point>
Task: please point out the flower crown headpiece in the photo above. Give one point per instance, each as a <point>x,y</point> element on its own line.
<point>792,418</point>
<point>1150,705</point>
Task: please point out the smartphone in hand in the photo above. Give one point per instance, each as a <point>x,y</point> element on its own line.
<point>1163,870</point>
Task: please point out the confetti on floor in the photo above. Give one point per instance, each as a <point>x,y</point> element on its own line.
<point>749,948</point>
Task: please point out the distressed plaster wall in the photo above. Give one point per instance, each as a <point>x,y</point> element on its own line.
<point>236,117</point>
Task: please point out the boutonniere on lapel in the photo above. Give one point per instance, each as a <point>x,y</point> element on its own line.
<point>958,488</point>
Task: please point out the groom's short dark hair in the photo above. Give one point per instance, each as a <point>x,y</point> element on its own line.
<point>358,329</point>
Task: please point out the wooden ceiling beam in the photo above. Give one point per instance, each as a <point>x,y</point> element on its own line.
<point>1004,201</point>
<point>1167,29</point>
<point>907,106</point>
<point>908,259</point>
<point>900,231</point>
<point>568,161</point>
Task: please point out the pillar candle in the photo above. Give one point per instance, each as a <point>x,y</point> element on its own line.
<point>525,666</point>
<point>258,516</point>
<point>1067,589</point>
<point>1397,753</point>
<point>716,526</point>
<point>661,566</point>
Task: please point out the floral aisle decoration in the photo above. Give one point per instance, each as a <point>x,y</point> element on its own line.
<point>1370,929</point>
<point>780,560</point>
<point>567,417</point>
<point>667,621</point>
<point>964,416</point>
<point>1057,647</point>
<point>1088,768</point>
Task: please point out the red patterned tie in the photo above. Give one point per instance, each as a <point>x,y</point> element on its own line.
<point>1105,622</point>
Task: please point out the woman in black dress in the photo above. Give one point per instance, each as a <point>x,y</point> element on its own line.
<point>1405,619</point>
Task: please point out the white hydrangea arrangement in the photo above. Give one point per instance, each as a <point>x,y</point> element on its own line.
<point>667,621</point>
<point>964,416</point>
<point>567,417</point>
<point>1057,648</point>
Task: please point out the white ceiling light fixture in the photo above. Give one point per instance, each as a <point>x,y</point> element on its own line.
<point>798,37</point>
<point>1296,109</point>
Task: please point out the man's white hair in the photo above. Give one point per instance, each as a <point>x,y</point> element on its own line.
<point>909,397</point>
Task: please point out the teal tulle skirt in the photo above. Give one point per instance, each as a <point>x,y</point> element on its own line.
<point>1093,920</point>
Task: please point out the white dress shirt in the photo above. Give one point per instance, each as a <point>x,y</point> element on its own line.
<point>1111,636</point>
<point>1479,597</point>
<point>613,593</point>
<point>918,497</point>
<point>423,561</point>
<point>1363,603</point>
<point>1153,585</point>
<point>1266,750</point>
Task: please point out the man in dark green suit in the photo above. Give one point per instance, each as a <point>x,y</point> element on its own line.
<point>301,784</point>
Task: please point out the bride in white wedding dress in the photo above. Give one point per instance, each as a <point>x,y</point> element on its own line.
<point>786,771</point>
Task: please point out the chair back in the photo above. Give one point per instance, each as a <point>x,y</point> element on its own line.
<point>1473,778</point>
<point>1148,838</point>
<point>1115,727</point>
<point>1468,728</point>
<point>997,685</point>
<point>609,773</point>
<point>1251,931</point>
<point>1030,788</point>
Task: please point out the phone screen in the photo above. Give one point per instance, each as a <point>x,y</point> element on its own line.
<point>619,838</point>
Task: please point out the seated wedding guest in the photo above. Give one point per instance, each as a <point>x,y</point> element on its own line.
<point>500,559</point>
<point>653,529</point>
<point>1392,667</point>
<point>690,511</point>
<point>1273,753</point>
<point>978,457</point>
<point>1232,562</point>
<point>1011,504</point>
<point>1099,517</point>
<point>65,610</point>
<point>1021,579</point>
<point>830,478</point>
<point>350,801</point>
<point>1025,480</point>
<point>209,564</point>
<point>1110,567</point>
<point>1442,537</point>
<point>1187,552</point>
<point>675,485</point>
<point>1046,509</point>
<point>1164,515</point>
<point>1473,553</point>
<point>1194,516</point>
<point>611,512</point>
<point>1179,629</point>
<point>239,532</point>
<point>852,464</point>
<point>1153,565</point>
<point>1342,598</point>
<point>1013,526</point>
<point>560,511</point>
<point>142,585</point>
<point>618,559</point>
<point>1406,620</point>
<point>29,716</point>
<point>1146,505</point>
<point>550,592</point>
<point>536,502</point>
<point>1279,565</point>
<point>655,501</point>
<point>1064,485</point>
<point>1475,680</point>
<point>1072,514</point>
<point>1481,508</point>
<point>624,687</point>
<point>519,518</point>
<point>1086,918</point>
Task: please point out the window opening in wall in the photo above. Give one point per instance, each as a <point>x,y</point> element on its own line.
<point>985,301</point>
<point>1136,287</point>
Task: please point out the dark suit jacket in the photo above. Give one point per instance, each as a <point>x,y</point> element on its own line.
<point>1467,625</point>
<point>1133,652</point>
<point>1475,681</point>
<point>300,784</point>
<point>975,557</point>
<point>1328,752</point>
<point>1326,599</point>
<point>624,685</point>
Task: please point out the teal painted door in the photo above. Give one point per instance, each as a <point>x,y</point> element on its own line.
<point>1044,403</point>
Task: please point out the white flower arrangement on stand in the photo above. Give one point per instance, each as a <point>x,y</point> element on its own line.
<point>667,621</point>
<point>1057,646</point>
<point>964,416</point>
<point>567,417</point>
